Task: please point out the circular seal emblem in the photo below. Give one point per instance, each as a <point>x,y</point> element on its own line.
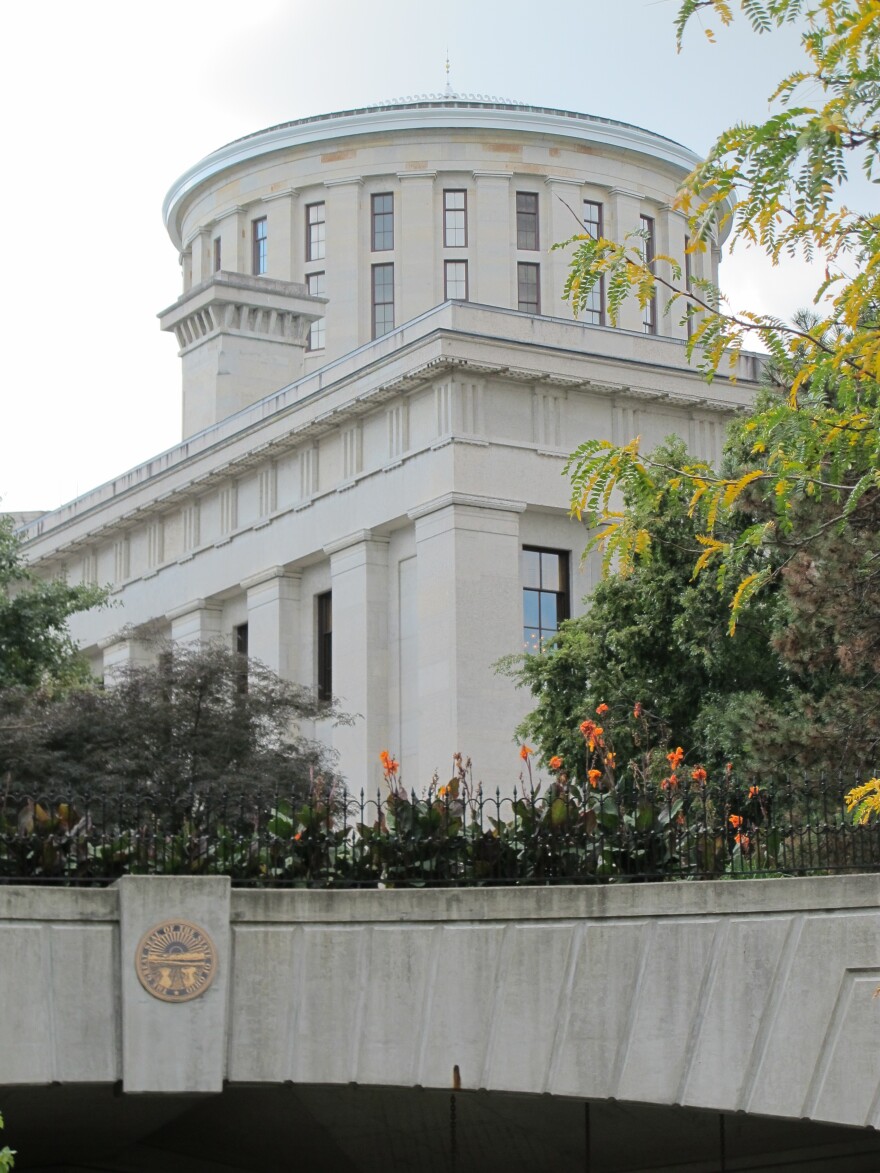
<point>176,961</point>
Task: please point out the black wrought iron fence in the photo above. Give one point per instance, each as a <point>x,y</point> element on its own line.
<point>446,836</point>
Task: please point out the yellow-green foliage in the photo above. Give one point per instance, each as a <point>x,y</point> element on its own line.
<point>776,185</point>
<point>863,802</point>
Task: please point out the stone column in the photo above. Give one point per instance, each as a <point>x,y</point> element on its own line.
<point>418,224</point>
<point>348,315</point>
<point>285,258</point>
<point>671,233</point>
<point>123,651</point>
<point>359,583</point>
<point>491,274</point>
<point>469,616</point>
<point>274,633</point>
<point>624,208</point>
<point>196,622</point>
<point>566,197</point>
<point>201,256</point>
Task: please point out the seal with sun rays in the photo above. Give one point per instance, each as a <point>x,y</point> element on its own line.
<point>176,961</point>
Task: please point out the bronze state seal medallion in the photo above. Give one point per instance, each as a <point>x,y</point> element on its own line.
<point>176,961</point>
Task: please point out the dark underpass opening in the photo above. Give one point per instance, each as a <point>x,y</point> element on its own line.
<point>357,1129</point>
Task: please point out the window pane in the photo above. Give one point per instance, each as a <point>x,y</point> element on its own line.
<point>317,330</point>
<point>456,279</point>
<point>454,219</point>
<point>526,220</point>
<point>531,639</point>
<point>383,222</point>
<point>315,229</point>
<point>550,572</point>
<point>549,612</point>
<point>531,608</point>
<point>530,563</point>
<point>527,288</point>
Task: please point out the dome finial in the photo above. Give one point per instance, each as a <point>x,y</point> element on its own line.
<point>448,91</point>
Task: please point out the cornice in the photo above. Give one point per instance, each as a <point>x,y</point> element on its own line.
<point>499,504</point>
<point>426,117</point>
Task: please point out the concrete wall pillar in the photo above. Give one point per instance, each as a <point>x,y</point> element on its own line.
<point>469,616</point>
<point>671,233</point>
<point>625,209</point>
<point>196,622</point>
<point>359,583</point>
<point>123,652</point>
<point>274,623</point>
<point>565,219</point>
<point>285,261</point>
<point>492,279</point>
<point>348,314</point>
<point>418,220</point>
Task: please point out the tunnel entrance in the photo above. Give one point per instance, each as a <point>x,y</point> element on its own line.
<point>321,1129</point>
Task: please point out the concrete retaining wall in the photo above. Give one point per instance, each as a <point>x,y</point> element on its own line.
<point>753,996</point>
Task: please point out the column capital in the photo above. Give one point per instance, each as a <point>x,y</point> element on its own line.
<point>499,504</point>
<point>267,575</point>
<point>356,538</point>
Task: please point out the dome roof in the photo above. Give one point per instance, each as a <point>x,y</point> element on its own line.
<point>449,110</point>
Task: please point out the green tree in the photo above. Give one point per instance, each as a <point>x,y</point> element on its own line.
<point>201,720</point>
<point>658,638</point>
<point>35,646</point>
<point>778,184</point>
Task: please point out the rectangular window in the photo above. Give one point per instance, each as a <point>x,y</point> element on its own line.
<point>594,310</point>
<point>649,313</point>
<point>217,261</point>
<point>526,219</point>
<point>455,280</point>
<point>240,642</point>
<point>317,335</point>
<point>383,299</point>
<point>454,219</point>
<point>545,594</point>
<point>325,646</point>
<point>528,288</point>
<point>315,232</point>
<point>260,246</point>
<point>382,222</point>
<point>688,275</point>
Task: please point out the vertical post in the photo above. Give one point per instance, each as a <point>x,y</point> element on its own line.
<point>359,582</point>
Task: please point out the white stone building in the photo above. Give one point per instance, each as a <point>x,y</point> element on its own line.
<point>381,384</point>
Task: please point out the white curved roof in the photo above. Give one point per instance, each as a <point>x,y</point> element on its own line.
<point>418,112</point>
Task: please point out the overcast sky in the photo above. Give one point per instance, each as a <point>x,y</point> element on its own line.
<point>106,103</point>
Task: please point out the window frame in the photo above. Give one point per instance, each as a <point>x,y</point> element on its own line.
<point>316,245</point>
<point>447,211</point>
<point>260,246</point>
<point>649,311</point>
<point>534,215</point>
<point>374,304</point>
<point>562,594</point>
<point>592,314</point>
<point>324,645</point>
<point>447,264</point>
<point>521,266</point>
<point>321,323</point>
<point>380,219</point>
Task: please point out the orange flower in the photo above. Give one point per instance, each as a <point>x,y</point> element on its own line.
<point>298,835</point>
<point>699,775</point>
<point>743,841</point>
<point>637,710</point>
<point>594,776</point>
<point>610,760</point>
<point>592,733</point>
<point>603,708</point>
<point>389,765</point>
<point>735,820</point>
<point>443,791</point>
<point>675,758</point>
<point>526,752</point>
<point>555,762</point>
<point>671,782</point>
<point>754,791</point>
<point>587,727</point>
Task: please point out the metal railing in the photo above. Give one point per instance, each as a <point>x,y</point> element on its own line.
<point>447,836</point>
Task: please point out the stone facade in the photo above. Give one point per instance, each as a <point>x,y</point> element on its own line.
<point>381,384</point>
